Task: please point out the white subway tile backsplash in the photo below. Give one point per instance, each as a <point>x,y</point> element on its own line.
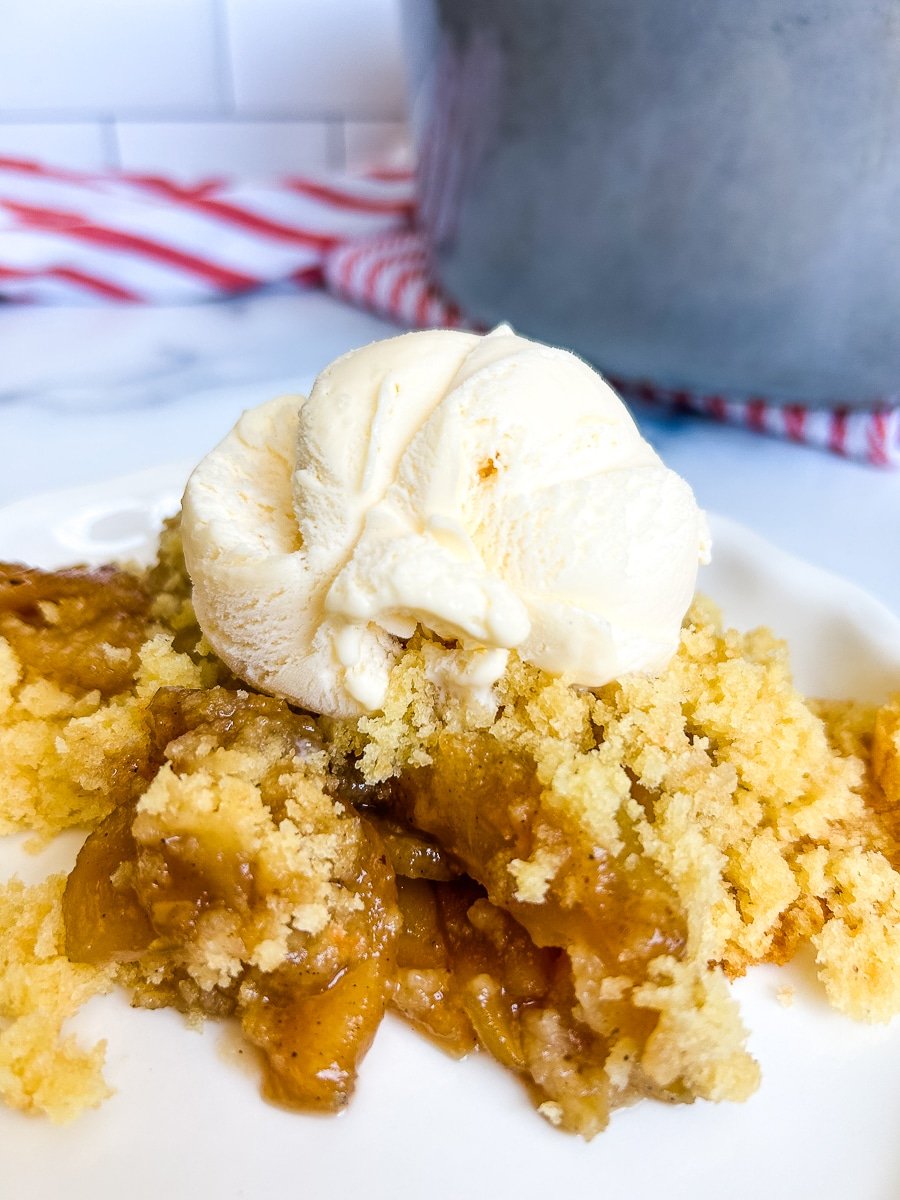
<point>320,57</point>
<point>376,143</point>
<point>71,145</point>
<point>107,56</point>
<point>192,150</point>
<point>199,87</point>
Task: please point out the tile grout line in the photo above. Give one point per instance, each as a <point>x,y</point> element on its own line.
<point>222,48</point>
<point>162,116</point>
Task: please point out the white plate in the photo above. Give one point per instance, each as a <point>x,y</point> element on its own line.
<point>186,1122</point>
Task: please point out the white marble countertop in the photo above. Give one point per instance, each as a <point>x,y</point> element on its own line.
<point>90,393</point>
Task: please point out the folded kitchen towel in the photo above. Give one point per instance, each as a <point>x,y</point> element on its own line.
<point>69,236</point>
<point>74,237</point>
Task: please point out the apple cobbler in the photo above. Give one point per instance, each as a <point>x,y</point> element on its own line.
<point>567,883</point>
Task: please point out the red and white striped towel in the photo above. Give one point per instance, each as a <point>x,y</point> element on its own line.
<point>70,236</point>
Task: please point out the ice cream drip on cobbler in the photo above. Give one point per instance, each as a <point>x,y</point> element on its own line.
<point>490,490</point>
<point>416,709</point>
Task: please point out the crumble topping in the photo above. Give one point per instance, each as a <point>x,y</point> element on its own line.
<point>42,1069</point>
<point>567,880</point>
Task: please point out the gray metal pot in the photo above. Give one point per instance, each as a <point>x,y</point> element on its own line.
<point>703,193</point>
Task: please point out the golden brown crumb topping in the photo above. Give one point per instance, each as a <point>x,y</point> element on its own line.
<point>567,882</point>
<point>41,1068</point>
<point>237,885</point>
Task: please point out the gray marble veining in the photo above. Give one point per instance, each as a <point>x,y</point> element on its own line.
<point>94,393</point>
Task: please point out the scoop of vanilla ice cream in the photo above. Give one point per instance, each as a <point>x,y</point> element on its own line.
<point>490,489</point>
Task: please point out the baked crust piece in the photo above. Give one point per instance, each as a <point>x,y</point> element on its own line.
<point>566,880</point>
